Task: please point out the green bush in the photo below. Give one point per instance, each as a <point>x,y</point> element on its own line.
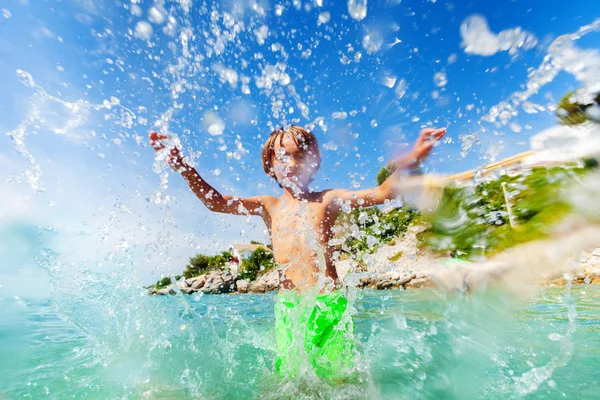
<point>163,283</point>
<point>259,262</point>
<point>375,227</point>
<point>201,264</point>
<point>383,174</point>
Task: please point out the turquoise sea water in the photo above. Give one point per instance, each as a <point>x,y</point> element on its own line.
<point>412,344</point>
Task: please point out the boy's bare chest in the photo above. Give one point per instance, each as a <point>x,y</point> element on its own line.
<point>298,219</point>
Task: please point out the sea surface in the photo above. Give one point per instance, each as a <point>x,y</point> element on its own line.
<point>416,344</point>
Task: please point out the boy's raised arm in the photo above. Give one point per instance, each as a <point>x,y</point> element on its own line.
<point>393,186</point>
<point>211,198</point>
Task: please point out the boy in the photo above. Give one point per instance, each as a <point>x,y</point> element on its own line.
<point>300,226</point>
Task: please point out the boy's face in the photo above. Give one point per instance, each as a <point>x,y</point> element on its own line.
<point>294,166</point>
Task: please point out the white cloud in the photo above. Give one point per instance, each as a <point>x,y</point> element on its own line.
<point>479,39</point>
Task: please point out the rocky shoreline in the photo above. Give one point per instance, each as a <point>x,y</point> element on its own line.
<point>587,271</point>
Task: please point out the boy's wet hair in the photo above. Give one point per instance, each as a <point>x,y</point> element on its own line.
<point>304,139</point>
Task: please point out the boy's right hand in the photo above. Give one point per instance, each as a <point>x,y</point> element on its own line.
<point>175,159</point>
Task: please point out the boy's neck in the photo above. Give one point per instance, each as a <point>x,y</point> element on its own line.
<point>297,194</point>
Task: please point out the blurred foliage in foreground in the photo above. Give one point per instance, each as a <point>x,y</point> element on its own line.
<point>572,112</point>
<point>470,221</point>
<point>474,221</point>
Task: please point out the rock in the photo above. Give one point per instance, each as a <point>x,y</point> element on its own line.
<point>219,282</point>
<point>166,290</point>
<point>596,252</point>
<point>385,282</point>
<point>393,279</point>
<point>187,290</point>
<point>584,257</point>
<point>589,270</point>
<point>419,282</point>
<point>405,279</point>
<point>265,283</point>
<point>594,260</point>
<point>243,285</point>
<point>198,282</point>
<point>591,273</point>
<point>364,282</point>
<point>555,282</point>
<point>182,285</point>
<point>595,281</point>
<point>191,281</point>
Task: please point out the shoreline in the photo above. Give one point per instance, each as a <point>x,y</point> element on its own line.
<point>422,272</point>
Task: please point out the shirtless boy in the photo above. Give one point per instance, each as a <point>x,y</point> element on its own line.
<point>300,226</point>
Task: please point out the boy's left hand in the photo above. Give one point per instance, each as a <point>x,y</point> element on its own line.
<point>424,144</point>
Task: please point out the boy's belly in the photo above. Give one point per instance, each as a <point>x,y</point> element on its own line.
<point>299,276</point>
<point>303,266</point>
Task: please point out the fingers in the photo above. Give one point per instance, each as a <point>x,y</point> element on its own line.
<point>155,140</point>
<point>439,133</point>
<point>432,132</point>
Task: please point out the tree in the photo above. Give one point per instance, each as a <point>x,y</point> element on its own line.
<point>260,261</point>
<point>197,265</point>
<point>163,283</point>
<point>383,174</point>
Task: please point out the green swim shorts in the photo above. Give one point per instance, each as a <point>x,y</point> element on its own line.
<point>313,333</point>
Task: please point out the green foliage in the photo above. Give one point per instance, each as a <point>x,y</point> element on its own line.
<point>396,256</point>
<point>368,227</point>
<point>590,163</point>
<point>572,112</point>
<point>201,264</point>
<point>383,174</point>
<point>259,262</point>
<point>163,283</point>
<point>255,242</point>
<point>474,221</point>
<point>197,265</point>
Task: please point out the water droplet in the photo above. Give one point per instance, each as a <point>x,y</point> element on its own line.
<point>440,79</point>
<point>213,124</point>
<point>143,30</point>
<point>357,9</point>
<point>332,146</point>
<point>374,123</point>
<point>324,17</point>
<point>555,337</point>
<point>155,15</point>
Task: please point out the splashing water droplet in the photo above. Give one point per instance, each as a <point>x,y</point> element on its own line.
<point>357,9</point>
<point>331,146</point>
<point>26,78</point>
<point>440,79</point>
<point>143,30</point>
<point>555,337</point>
<point>324,17</point>
<point>213,124</point>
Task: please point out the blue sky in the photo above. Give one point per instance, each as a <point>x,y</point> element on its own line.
<point>107,72</point>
